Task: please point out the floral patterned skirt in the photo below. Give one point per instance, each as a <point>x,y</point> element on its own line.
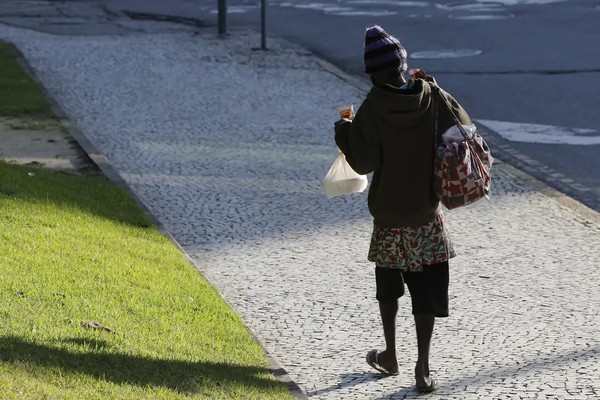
<point>410,248</point>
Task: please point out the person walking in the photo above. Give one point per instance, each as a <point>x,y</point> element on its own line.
<point>392,136</point>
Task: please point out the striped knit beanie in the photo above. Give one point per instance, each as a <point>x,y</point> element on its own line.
<point>383,52</point>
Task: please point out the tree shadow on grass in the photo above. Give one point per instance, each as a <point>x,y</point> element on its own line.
<point>177,375</point>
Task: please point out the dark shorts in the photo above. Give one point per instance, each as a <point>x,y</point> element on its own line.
<point>428,288</point>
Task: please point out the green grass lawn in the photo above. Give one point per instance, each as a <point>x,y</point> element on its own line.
<point>75,250</point>
<point>22,101</point>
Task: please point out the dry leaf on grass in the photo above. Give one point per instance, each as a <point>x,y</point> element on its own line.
<point>96,326</point>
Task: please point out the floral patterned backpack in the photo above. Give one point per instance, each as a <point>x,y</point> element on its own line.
<point>461,168</point>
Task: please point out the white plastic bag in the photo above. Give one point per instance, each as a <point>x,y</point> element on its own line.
<point>341,179</point>
<point>453,133</point>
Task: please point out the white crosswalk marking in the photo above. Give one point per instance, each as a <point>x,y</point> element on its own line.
<point>548,134</point>
<point>362,8</point>
<point>527,2</point>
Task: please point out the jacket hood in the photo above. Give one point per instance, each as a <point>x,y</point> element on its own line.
<point>401,108</point>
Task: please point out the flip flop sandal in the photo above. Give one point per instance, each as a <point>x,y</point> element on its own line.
<point>429,388</point>
<point>373,361</point>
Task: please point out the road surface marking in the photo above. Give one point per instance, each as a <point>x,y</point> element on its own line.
<point>443,54</point>
<point>237,9</point>
<point>317,6</point>
<point>394,3</point>
<point>482,17</point>
<point>364,13</point>
<point>546,134</point>
<point>522,2</point>
<point>345,9</point>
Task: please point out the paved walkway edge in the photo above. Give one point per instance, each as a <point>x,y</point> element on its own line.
<point>111,173</point>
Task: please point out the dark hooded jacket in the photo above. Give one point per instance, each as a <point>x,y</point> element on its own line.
<point>392,135</point>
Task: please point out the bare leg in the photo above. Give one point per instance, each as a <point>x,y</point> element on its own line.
<point>387,358</point>
<point>424,324</point>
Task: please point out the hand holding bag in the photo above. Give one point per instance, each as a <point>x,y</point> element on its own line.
<point>342,179</point>
<point>461,168</point>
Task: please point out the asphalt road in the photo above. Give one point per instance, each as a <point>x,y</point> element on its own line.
<point>532,81</point>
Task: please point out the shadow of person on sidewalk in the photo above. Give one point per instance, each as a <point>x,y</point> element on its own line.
<point>524,371</point>
<point>348,380</point>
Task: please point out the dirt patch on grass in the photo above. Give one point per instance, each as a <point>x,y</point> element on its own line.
<point>49,147</point>
<point>30,133</point>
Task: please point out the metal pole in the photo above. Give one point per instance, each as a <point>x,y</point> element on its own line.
<point>263,24</point>
<point>222,17</point>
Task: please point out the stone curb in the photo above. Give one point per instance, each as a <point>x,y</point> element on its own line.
<point>560,188</point>
<point>109,171</point>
